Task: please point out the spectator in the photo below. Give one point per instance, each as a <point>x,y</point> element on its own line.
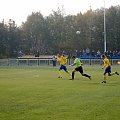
<point>87,51</point>
<point>37,54</point>
<point>20,54</point>
<point>98,53</point>
<point>83,52</point>
<point>54,60</point>
<point>93,53</point>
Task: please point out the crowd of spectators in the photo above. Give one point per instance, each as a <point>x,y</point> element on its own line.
<point>85,53</point>
<point>96,54</point>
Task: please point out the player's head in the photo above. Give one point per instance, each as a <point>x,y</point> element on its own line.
<point>63,55</point>
<point>103,56</point>
<point>59,55</point>
<point>73,57</point>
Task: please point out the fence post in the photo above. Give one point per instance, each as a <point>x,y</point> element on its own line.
<point>90,61</point>
<point>18,61</point>
<point>48,61</point>
<point>28,61</point>
<point>38,61</point>
<point>8,62</point>
<point>111,61</point>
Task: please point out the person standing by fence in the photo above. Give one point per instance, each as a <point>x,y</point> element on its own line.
<point>54,60</point>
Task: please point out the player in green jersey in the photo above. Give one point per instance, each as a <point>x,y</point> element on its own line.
<point>79,68</point>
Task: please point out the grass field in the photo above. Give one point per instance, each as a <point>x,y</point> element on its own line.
<point>35,93</point>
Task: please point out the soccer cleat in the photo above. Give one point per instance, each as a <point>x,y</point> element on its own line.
<point>59,77</point>
<point>89,77</point>
<point>103,81</point>
<point>116,73</point>
<point>71,79</point>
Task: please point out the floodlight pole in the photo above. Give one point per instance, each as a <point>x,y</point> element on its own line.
<point>104,29</point>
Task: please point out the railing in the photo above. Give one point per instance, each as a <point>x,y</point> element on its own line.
<point>48,61</point>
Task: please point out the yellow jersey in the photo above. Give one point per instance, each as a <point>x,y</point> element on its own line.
<point>62,60</point>
<point>106,63</point>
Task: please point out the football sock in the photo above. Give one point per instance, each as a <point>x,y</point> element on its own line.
<point>60,74</point>
<point>69,73</point>
<point>112,74</point>
<point>73,75</point>
<point>116,73</point>
<point>86,75</point>
<point>103,81</point>
<point>105,77</point>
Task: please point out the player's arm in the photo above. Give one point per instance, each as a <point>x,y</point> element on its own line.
<point>105,62</point>
<point>65,61</point>
<point>81,62</point>
<point>103,66</point>
<point>73,64</point>
<point>58,59</point>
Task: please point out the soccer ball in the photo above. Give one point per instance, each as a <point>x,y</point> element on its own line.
<point>77,32</point>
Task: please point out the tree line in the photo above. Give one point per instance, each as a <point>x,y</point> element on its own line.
<point>57,32</point>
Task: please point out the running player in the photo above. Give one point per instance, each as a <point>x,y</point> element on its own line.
<point>79,68</point>
<point>63,61</point>
<point>107,67</point>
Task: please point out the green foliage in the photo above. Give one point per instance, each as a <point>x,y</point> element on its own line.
<point>56,32</point>
<point>35,93</point>
<point>9,39</point>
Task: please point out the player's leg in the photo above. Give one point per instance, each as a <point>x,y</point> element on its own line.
<point>109,72</point>
<point>65,69</point>
<point>81,71</point>
<point>104,77</point>
<point>116,73</point>
<point>73,74</point>
<point>60,75</point>
<point>68,72</point>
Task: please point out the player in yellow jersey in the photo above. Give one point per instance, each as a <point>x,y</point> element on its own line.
<point>107,67</point>
<point>63,61</point>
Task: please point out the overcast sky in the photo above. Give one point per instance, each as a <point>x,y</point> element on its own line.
<point>18,10</point>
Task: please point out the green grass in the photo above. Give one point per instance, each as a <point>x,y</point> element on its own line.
<point>35,93</point>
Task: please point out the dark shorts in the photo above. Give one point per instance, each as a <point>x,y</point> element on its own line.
<point>80,69</point>
<point>108,70</point>
<point>62,67</point>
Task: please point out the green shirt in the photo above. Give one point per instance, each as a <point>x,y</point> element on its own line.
<point>77,62</point>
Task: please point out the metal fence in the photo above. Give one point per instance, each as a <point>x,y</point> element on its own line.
<point>38,62</point>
